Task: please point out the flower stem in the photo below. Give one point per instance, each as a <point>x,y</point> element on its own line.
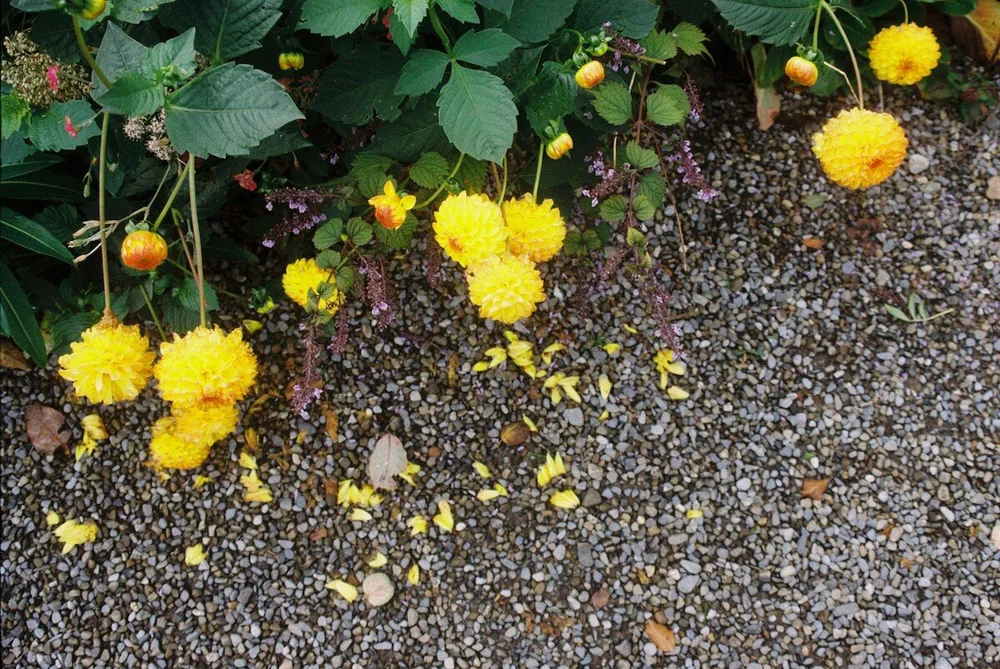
<point>503,188</point>
<point>152,312</point>
<point>819,15</point>
<point>101,169</point>
<point>439,29</point>
<point>538,170</point>
<point>198,261</point>
<point>172,196</point>
<point>906,11</point>
<point>85,52</point>
<point>850,50</point>
<point>444,183</point>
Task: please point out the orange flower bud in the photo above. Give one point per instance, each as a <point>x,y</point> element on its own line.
<point>801,71</point>
<point>558,147</point>
<point>590,74</point>
<point>143,250</point>
<point>291,60</point>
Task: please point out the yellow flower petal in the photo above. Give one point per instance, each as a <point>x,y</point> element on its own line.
<point>412,469</point>
<point>556,395</point>
<point>260,495</point>
<point>497,352</point>
<point>368,497</point>
<point>201,480</point>
<point>444,519</point>
<point>519,349</point>
<point>604,416</point>
<point>604,385</point>
<point>481,366</point>
<point>482,469</point>
<point>251,325</point>
<point>678,368</point>
<point>343,588</point>
<point>550,469</point>
<point>530,423</point>
<point>52,518</point>
<point>378,560</point>
<point>360,516</point>
<point>611,348</point>
<point>568,386</point>
<point>251,438</point>
<point>549,351</point>
<point>72,534</point>
<point>417,525</point>
<point>510,335</point>
<point>487,495</point>
<point>93,427</point>
<point>500,489</point>
<point>194,555</point>
<point>248,461</point>
<point>565,499</point>
<point>628,328</point>
<point>413,576</point>
<point>677,393</point>
<point>86,447</point>
<point>554,380</point>
<point>694,513</point>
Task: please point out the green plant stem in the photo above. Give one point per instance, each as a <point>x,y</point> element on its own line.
<point>819,15</point>
<point>496,175</point>
<point>173,195</point>
<point>101,169</point>
<point>906,11</point>
<point>444,183</point>
<point>198,260</point>
<point>439,29</point>
<point>850,50</point>
<point>152,312</point>
<point>655,61</point>
<point>503,188</point>
<point>187,271</point>
<point>85,52</point>
<point>538,170</point>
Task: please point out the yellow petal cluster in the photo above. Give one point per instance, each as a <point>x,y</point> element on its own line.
<point>904,54</point>
<point>343,588</point>
<point>444,519</point>
<point>565,499</point>
<point>93,432</point>
<point>73,533</point>
<point>860,148</point>
<point>255,491</point>
<point>505,288</point>
<point>417,525</point>
<point>470,228</point>
<point>489,494</point>
<point>409,474</point>
<point>536,230</point>
<point>194,555</point>
<point>559,383</point>
<point>550,469</point>
<point>206,367</point>
<point>172,449</point>
<point>304,275</point>
<point>667,364</point>
<point>413,575</point>
<point>349,494</point>
<point>390,208</point>
<point>112,362</point>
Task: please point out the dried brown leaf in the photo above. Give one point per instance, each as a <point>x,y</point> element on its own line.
<point>814,488</point>
<point>601,598</point>
<point>11,357</point>
<point>662,636</point>
<point>378,589</point>
<point>330,491</point>
<point>44,427</point>
<point>813,243</point>
<point>453,369</point>
<point>318,534</point>
<point>515,434</point>
<point>387,460</point>
<point>332,423</point>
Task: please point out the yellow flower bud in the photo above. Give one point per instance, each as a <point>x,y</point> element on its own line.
<point>590,74</point>
<point>92,9</point>
<point>801,71</point>
<point>558,146</point>
<point>291,60</point>
<point>143,250</point>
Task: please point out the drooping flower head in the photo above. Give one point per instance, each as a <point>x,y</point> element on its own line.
<point>390,208</point>
<point>859,148</point>
<point>590,74</point>
<point>801,71</point>
<point>112,362</point>
<point>304,275</point>
<point>172,448</point>
<point>536,230</point>
<point>469,228</point>
<point>505,288</point>
<point>143,250</point>
<point>559,146</point>
<point>904,54</point>
<point>206,368</point>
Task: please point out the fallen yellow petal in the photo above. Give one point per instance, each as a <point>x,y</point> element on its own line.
<point>412,469</point>
<point>480,366</point>
<point>194,555</point>
<point>554,380</point>
<point>368,497</point>
<point>86,447</point>
<point>52,518</point>
<point>347,493</point>
<point>378,560</point>
<point>678,368</point>
<point>413,576</point>
<point>500,489</point>
<point>628,328</point>
<point>417,525</point>
<point>556,396</point>
<point>482,469</point>
<point>611,348</point>
<point>551,468</point>
<point>252,325</point>
<point>497,352</point>
<point>568,385</point>
<point>248,461</point>
<point>360,515</point>
<point>519,349</point>
<point>487,495</point>
<point>676,393</point>
<point>565,499</point>
<point>260,495</point>
<point>201,480</point>
<point>444,519</point>
<point>604,416</point>
<point>251,438</point>
<point>549,352</point>
<point>604,385</point>
<point>93,427</point>
<point>694,513</point>
<point>72,534</point>
<point>343,588</point>
<point>510,335</point>
<point>530,423</point>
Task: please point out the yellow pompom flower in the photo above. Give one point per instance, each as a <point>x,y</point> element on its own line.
<point>112,363</point>
<point>173,449</point>
<point>304,275</point>
<point>470,228</point>
<point>206,368</point>
<point>535,230</point>
<point>390,208</point>
<point>213,422</point>
<point>904,54</point>
<point>860,148</point>
<point>505,288</point>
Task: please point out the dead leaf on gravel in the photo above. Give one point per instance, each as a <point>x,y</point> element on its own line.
<point>813,242</point>
<point>330,491</point>
<point>662,636</point>
<point>995,536</point>
<point>453,369</point>
<point>318,534</point>
<point>601,598</point>
<point>387,460</point>
<point>332,423</point>
<point>515,434</point>
<point>44,427</point>
<point>814,488</point>
<point>378,589</point>
<point>11,357</point>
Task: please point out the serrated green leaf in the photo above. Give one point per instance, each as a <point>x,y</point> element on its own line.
<point>573,244</point>
<point>12,110</point>
<point>401,237</point>
<point>288,138</point>
<point>48,131</point>
<point>187,295</point>
<point>369,171</point>
<point>18,318</point>
<point>634,238</point>
<point>178,51</point>
<point>643,208</point>
<point>329,260</point>
<point>178,318</point>
<point>471,174</point>
<point>463,11</point>
<point>640,158</point>
<point>632,18</point>
<point>133,94</point>
<point>118,55</point>
<point>360,85</point>
<point>552,96</point>
<point>328,234</point>
<point>225,28</point>
<point>613,102</point>
<point>430,171</point>
<point>668,105</point>
<point>410,13</point>
<point>412,134</point>
<point>518,71</point>
<point>34,5</point>
<point>690,39</point>
<point>26,233</point>
<point>485,47</point>
<point>774,21</point>
<point>659,45</point>
<point>502,6</point>
<point>614,209</point>
<point>226,111</point>
<point>345,278</point>
<point>653,188</point>
<point>422,72</point>
<point>477,113</point>
<point>136,11</point>
<point>401,37</point>
<point>532,21</point>
<point>359,231</point>
<point>337,18</point>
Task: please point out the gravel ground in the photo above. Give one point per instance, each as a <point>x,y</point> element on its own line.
<point>795,371</point>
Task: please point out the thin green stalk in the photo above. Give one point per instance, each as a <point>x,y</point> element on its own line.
<point>850,50</point>
<point>218,290</point>
<point>199,262</point>
<point>152,312</point>
<point>538,170</point>
<point>819,15</point>
<point>496,175</point>
<point>506,170</point>
<point>173,194</point>
<point>85,52</point>
<point>101,169</point>
<point>444,183</point>
<point>439,29</point>
<point>906,11</point>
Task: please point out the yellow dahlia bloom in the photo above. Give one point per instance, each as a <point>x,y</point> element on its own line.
<point>536,230</point>
<point>904,54</point>
<point>174,449</point>
<point>212,422</point>
<point>112,363</point>
<point>505,288</point>
<point>470,228</point>
<point>390,208</point>
<point>304,275</point>
<point>859,148</point>
<point>206,368</point>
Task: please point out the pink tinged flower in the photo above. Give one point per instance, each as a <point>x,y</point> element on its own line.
<point>52,74</point>
<point>70,129</point>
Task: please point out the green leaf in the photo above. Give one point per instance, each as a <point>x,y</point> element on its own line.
<point>668,105</point>
<point>773,68</point>
<point>653,188</point>
<point>401,37</point>
<point>26,233</point>
<point>329,260</point>
<point>774,21</point>
<point>639,157</point>
<point>401,237</point>
<point>643,208</point>
<point>422,72</point>
<point>288,138</point>
<point>48,131</point>
<point>179,318</point>
<point>345,277</point>
<point>485,48</point>
<point>18,318</point>
<point>958,7</point>
<point>118,54</point>
<point>328,234</point>
<point>334,18</point>
<point>502,6</point>
<point>34,163</point>
<point>227,110</point>
<point>12,110</point>
<point>411,135</point>
<point>360,85</point>
<point>136,11</point>
<point>369,171</point>
<point>225,28</point>
<point>220,248</point>
<point>34,5</point>
<point>659,45</point>
<point>178,51</point>
<point>632,18</point>
<point>614,209</point>
<point>532,20</point>
<point>477,113</point>
<point>463,11</point>
<point>552,96</point>
<point>359,231</point>
<point>690,39</point>
<point>187,295</point>
<point>518,71</point>
<point>471,174</point>
<point>613,102</point>
<point>133,94</point>
<point>897,313</point>
<point>430,171</point>
<point>410,13</point>
<point>44,185</point>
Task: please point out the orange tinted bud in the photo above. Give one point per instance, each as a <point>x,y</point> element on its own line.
<point>291,60</point>
<point>92,9</point>
<point>558,147</point>
<point>590,74</point>
<point>801,71</point>
<point>143,250</point>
